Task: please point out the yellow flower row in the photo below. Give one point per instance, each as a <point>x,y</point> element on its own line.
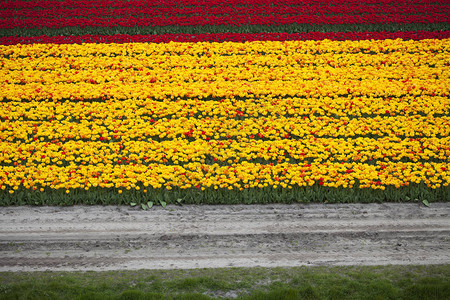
<point>181,151</point>
<point>203,50</point>
<point>272,127</point>
<point>375,87</point>
<point>236,176</point>
<point>229,107</point>
<point>99,69</point>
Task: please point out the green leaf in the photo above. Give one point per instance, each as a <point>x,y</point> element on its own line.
<point>425,202</point>
<point>163,204</point>
<point>179,201</point>
<point>150,204</point>
<point>133,204</point>
<point>407,198</point>
<point>144,207</point>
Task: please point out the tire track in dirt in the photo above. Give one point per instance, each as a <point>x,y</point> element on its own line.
<point>111,238</point>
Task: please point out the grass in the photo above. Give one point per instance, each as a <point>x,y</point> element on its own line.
<point>374,282</point>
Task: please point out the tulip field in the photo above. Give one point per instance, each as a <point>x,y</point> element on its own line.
<point>144,102</point>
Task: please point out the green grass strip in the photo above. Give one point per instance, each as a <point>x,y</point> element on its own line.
<point>291,28</point>
<point>353,282</point>
<point>315,193</point>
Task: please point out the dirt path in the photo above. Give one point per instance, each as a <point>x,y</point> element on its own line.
<point>110,238</point>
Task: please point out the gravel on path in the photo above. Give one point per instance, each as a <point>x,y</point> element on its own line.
<point>82,238</point>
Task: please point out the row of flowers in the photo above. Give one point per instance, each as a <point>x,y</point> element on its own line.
<point>236,176</point>
<point>273,127</point>
<point>226,69</point>
<point>250,10</point>
<point>181,70</point>
<point>315,88</point>
<point>226,36</point>
<point>211,20</point>
<point>66,148</point>
<point>264,106</point>
<point>302,88</point>
<point>73,4</point>
<point>284,48</point>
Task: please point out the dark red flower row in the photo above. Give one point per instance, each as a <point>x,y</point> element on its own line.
<point>221,37</point>
<point>233,20</point>
<point>44,4</point>
<point>151,11</point>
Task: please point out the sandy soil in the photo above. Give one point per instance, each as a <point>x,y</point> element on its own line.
<point>112,238</point>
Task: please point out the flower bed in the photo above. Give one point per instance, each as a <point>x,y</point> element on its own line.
<point>36,14</point>
<point>56,18</point>
<point>223,117</point>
